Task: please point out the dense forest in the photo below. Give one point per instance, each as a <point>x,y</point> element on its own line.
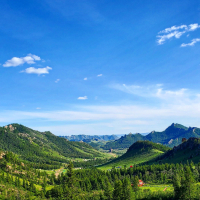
<point>22,181</point>
<point>43,147</point>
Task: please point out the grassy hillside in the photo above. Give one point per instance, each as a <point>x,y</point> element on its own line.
<point>172,136</point>
<point>42,147</point>
<point>139,152</point>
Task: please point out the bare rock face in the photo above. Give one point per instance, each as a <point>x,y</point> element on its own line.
<point>12,128</point>
<point>170,141</point>
<point>184,140</point>
<point>2,155</point>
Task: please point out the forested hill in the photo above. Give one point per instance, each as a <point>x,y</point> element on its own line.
<point>187,151</point>
<point>171,137</point>
<point>138,152</point>
<point>124,142</point>
<point>90,137</point>
<point>43,147</point>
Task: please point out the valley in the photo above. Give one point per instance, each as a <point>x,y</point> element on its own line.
<point>39,165</point>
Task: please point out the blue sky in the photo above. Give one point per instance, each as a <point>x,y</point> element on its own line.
<point>100,67</point>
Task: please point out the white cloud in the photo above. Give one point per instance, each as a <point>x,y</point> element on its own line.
<point>99,75</point>
<point>38,108</point>
<point>173,28</point>
<point>152,91</point>
<point>57,80</point>
<point>33,70</point>
<point>85,79</point>
<point>193,27</point>
<point>82,98</point>
<point>174,31</point>
<point>16,61</point>
<point>181,106</point>
<point>194,41</point>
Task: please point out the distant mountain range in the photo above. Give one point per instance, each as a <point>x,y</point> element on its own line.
<point>171,137</point>
<point>89,138</point>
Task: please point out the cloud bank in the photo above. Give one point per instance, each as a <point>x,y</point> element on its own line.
<point>181,106</point>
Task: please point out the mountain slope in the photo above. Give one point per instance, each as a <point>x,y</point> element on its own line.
<point>139,152</point>
<point>187,151</point>
<point>124,142</point>
<point>171,137</point>
<point>43,147</point>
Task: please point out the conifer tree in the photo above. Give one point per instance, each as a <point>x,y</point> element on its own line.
<point>135,183</point>
<point>127,190</point>
<point>177,185</point>
<point>118,191</point>
<point>108,190</point>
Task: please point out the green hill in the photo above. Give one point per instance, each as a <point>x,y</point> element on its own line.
<point>124,142</point>
<point>43,147</point>
<point>187,151</point>
<point>171,137</point>
<point>139,152</point>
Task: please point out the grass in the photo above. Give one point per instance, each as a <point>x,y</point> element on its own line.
<point>155,188</point>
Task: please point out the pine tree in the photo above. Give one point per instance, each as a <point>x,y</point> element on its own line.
<point>118,191</point>
<point>135,183</point>
<point>108,190</point>
<point>177,185</point>
<point>127,190</point>
<point>187,185</point>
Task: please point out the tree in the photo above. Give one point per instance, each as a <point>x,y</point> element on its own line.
<point>108,190</point>
<point>187,185</point>
<point>118,192</point>
<point>135,183</point>
<point>177,185</point>
<point>127,190</point>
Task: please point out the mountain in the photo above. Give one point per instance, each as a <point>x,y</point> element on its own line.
<point>44,147</point>
<point>138,152</point>
<point>89,138</point>
<point>189,150</point>
<point>123,142</point>
<point>171,137</point>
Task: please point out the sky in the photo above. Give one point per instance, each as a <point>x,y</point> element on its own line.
<point>100,67</point>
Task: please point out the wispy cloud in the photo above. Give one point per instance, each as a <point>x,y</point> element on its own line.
<point>116,118</point>
<point>16,61</point>
<point>194,41</point>
<point>82,98</point>
<point>85,79</point>
<point>33,70</point>
<point>57,80</point>
<point>175,31</point>
<point>38,108</point>
<point>181,105</point>
<point>152,91</point>
<point>99,75</point>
